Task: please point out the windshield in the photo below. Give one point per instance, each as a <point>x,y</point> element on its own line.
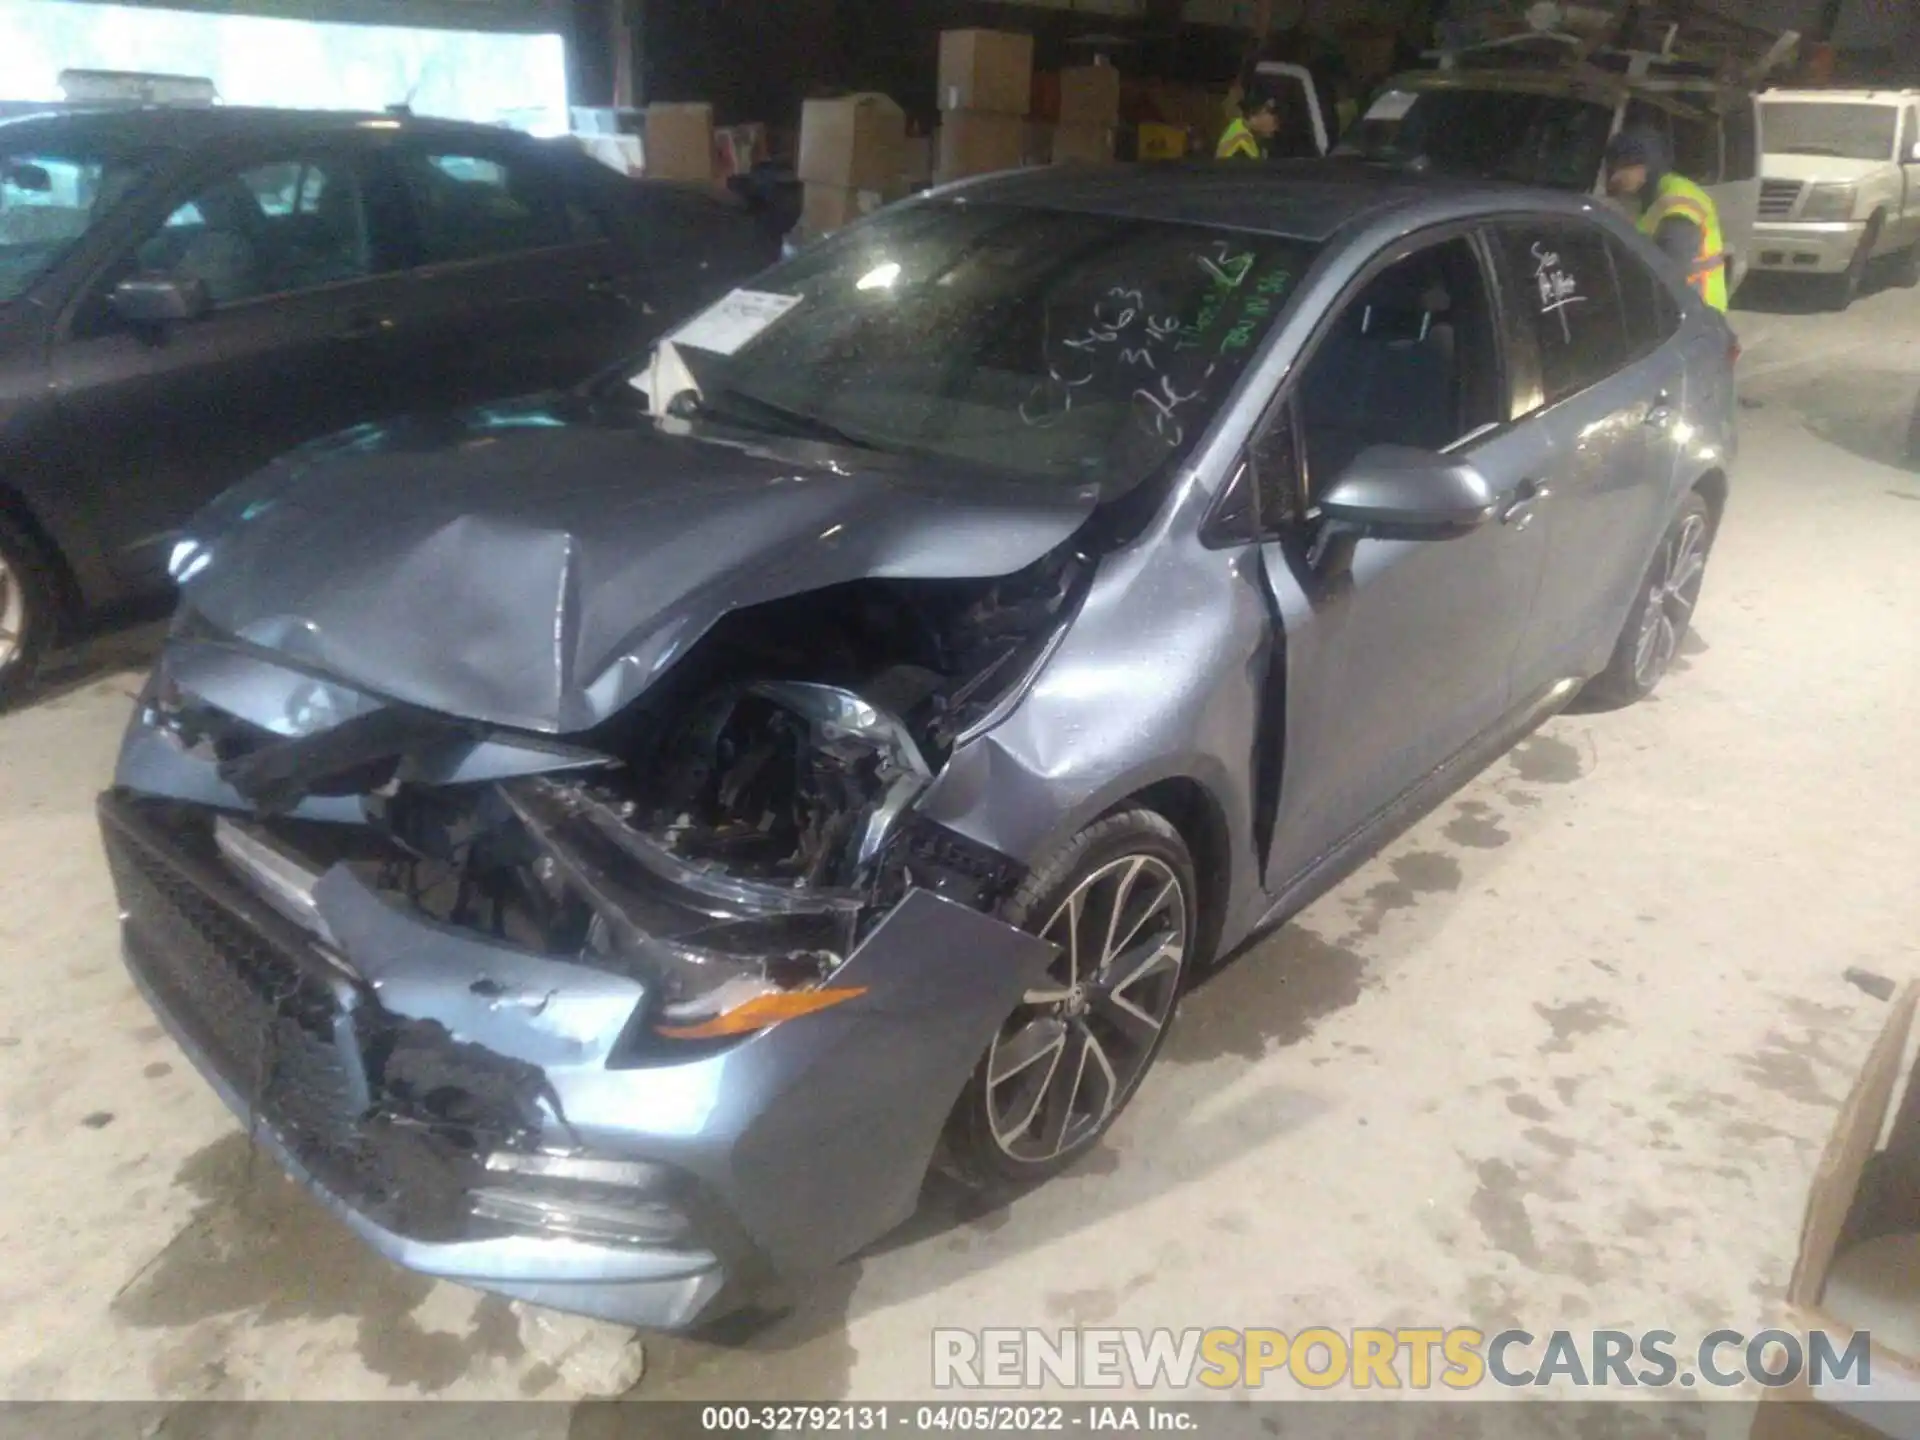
<point>1064,347</point>
<point>1847,132</point>
<point>48,202</point>
<point>1552,140</point>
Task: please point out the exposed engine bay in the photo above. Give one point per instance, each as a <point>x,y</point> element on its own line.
<point>735,833</point>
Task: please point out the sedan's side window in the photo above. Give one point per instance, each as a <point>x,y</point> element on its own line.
<point>1652,313</point>
<point>470,207</point>
<point>267,230</point>
<point>1564,290</point>
<point>1412,359</point>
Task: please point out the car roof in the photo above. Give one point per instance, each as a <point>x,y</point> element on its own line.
<point>137,127</point>
<point>1297,199</point>
<point>1850,97</point>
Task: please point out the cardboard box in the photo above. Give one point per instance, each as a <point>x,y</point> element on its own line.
<point>987,70</point>
<point>1083,145</point>
<point>1863,1193</point>
<point>979,142</point>
<point>857,142</point>
<point>1090,95</point>
<point>680,142</point>
<point>826,208</point>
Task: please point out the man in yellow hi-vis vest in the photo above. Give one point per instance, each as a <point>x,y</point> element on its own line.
<point>1258,122</point>
<point>1678,214</point>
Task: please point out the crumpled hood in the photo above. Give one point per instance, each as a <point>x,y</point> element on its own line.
<point>538,568</point>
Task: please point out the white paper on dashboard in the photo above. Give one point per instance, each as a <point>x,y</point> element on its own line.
<point>1393,105</point>
<point>726,326</point>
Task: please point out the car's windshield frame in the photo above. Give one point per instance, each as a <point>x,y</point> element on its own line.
<point>1774,120</point>
<point>1166,348</point>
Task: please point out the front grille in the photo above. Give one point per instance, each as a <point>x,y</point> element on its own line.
<point>1778,197</point>
<point>285,1031</point>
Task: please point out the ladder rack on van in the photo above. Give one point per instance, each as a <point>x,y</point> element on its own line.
<point>1640,41</point>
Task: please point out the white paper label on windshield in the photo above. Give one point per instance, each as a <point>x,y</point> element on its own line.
<point>724,327</point>
<point>1393,105</point>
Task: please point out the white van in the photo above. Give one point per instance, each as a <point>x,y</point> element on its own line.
<point>1551,128</point>
<point>1841,186</point>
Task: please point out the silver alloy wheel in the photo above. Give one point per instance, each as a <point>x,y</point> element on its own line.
<point>1671,596</point>
<point>13,614</point>
<point>1073,1051</point>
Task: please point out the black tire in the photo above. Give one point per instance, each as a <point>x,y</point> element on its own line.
<point>29,609</point>
<point>1843,289</point>
<point>1104,1024</point>
<point>1635,670</point>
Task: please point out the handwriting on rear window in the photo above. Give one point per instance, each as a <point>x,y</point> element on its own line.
<point>1557,286</point>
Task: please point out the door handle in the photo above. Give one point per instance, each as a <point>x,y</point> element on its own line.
<point>1661,413</point>
<point>605,286</point>
<point>1519,513</point>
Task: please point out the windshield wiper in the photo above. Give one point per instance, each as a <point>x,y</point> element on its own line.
<point>797,423</point>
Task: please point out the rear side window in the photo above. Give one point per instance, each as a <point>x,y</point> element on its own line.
<point>1565,294</point>
<point>1652,313</point>
<point>469,207</point>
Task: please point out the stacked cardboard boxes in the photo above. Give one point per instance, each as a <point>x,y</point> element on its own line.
<point>986,81</point>
<point>853,159</point>
<point>1089,113</point>
<point>680,142</point>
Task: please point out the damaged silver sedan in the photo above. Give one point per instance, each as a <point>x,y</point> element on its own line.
<point>611,846</point>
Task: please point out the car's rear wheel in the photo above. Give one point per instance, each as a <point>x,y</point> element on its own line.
<point>1662,610</point>
<point>27,609</point>
<point>1119,901</point>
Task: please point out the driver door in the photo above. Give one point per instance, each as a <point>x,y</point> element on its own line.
<point>1400,653</point>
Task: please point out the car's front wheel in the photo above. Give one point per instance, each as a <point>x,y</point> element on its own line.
<point>1662,609</point>
<point>1119,903</point>
<point>27,611</point>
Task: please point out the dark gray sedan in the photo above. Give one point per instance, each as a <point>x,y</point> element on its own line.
<point>612,845</point>
<point>186,293</point>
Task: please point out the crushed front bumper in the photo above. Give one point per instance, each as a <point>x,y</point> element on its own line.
<point>444,1094</point>
<point>1807,247</point>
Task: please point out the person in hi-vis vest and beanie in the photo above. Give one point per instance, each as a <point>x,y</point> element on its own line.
<point>1258,122</point>
<point>1678,214</point>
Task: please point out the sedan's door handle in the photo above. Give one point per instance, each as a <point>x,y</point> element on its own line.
<point>1519,513</point>
<point>1661,413</point>
<point>364,326</point>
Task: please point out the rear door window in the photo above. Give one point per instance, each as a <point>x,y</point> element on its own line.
<point>472,207</point>
<point>1560,274</point>
<point>1652,312</point>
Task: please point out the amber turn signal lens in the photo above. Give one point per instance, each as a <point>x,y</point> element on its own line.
<point>760,1012</point>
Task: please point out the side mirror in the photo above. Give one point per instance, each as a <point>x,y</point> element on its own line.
<point>1393,492</point>
<point>161,302</point>
<point>1913,153</point>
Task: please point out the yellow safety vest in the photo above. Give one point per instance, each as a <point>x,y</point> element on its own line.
<point>1678,197</point>
<point>1239,143</point>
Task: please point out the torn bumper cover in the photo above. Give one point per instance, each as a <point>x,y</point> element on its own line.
<point>477,1111</point>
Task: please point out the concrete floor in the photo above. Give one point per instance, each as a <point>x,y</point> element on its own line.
<point>1565,1055</point>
